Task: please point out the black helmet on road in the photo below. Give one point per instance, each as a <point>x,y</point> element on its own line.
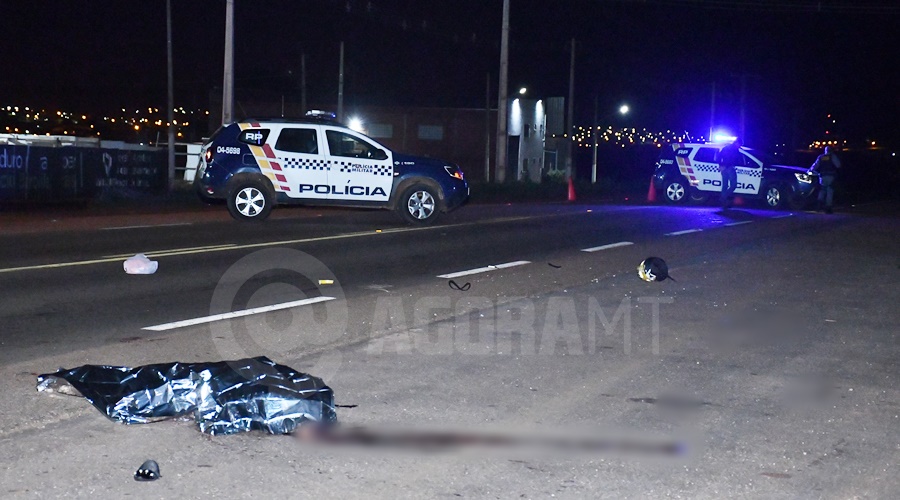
<point>653,269</point>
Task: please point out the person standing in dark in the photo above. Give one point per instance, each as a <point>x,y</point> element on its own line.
<point>728,158</point>
<point>826,165</point>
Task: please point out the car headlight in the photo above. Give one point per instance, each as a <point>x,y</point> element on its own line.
<point>803,177</point>
<point>454,172</point>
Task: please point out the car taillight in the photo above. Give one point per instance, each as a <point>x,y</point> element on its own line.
<point>208,155</point>
<point>454,172</point>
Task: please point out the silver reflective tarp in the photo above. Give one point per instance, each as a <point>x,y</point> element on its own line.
<point>224,397</point>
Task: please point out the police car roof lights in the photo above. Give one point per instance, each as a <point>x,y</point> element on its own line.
<point>724,137</point>
<point>318,114</point>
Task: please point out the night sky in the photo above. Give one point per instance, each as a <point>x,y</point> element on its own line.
<point>802,59</point>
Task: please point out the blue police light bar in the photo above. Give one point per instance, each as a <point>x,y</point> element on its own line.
<point>723,137</point>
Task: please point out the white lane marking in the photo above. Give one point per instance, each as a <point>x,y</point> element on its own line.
<point>783,216</point>
<point>298,241</point>
<point>686,231</point>
<point>146,226</point>
<point>484,269</point>
<point>607,247</point>
<point>173,251</point>
<point>236,314</point>
<point>739,223</point>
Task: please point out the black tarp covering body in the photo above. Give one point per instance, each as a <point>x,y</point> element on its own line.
<point>225,397</point>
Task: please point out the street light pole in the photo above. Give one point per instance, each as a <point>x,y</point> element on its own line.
<point>340,105</point>
<point>171,92</point>
<point>570,121</point>
<point>594,135</point>
<point>228,78</point>
<point>487,129</point>
<point>502,97</point>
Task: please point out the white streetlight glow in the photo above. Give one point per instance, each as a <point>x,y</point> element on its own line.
<point>355,124</point>
<point>624,109</point>
<point>522,91</point>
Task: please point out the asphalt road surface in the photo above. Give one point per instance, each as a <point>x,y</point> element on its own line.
<point>771,358</point>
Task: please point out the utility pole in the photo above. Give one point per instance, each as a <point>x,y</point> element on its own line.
<point>594,135</point>
<point>487,129</point>
<point>303,83</point>
<point>743,124</point>
<point>502,97</point>
<point>171,92</point>
<point>744,107</point>
<point>340,110</point>
<point>712,113</point>
<point>228,79</point>
<point>570,173</point>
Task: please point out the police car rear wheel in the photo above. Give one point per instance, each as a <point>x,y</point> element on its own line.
<point>249,201</point>
<point>418,205</point>
<point>675,191</point>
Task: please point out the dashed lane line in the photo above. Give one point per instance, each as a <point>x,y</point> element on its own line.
<point>607,247</point>
<point>236,314</point>
<point>686,231</point>
<point>484,269</point>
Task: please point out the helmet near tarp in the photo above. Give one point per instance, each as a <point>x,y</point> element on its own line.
<point>653,269</point>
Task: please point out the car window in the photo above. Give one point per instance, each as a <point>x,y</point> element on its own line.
<point>765,158</point>
<point>298,140</point>
<point>342,144</point>
<point>707,155</point>
<point>748,161</point>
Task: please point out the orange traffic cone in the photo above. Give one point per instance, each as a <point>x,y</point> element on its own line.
<point>651,193</point>
<point>571,190</point>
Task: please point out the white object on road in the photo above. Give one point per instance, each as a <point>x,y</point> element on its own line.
<point>140,264</point>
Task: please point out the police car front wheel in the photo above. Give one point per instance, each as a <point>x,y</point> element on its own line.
<point>777,196</point>
<point>418,205</point>
<point>249,201</point>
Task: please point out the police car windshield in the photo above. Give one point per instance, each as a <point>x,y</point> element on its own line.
<point>766,158</point>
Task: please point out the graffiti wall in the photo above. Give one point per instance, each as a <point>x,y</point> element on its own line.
<point>33,173</point>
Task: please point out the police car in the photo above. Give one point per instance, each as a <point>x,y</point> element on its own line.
<point>254,165</point>
<point>690,173</point>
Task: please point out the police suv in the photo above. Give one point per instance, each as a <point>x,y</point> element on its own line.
<point>689,172</point>
<point>256,164</point>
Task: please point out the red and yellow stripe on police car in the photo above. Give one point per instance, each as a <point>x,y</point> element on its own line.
<point>684,165</point>
<point>265,158</point>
